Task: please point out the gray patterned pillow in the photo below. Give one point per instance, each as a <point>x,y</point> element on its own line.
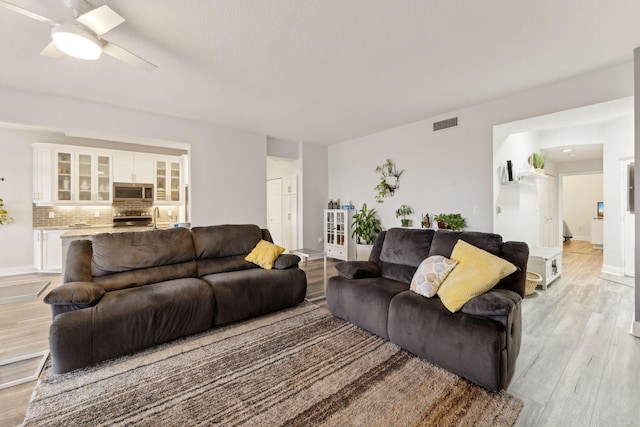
<point>430,274</point>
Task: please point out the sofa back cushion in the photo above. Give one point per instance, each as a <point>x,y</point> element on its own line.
<point>129,259</point>
<point>402,252</point>
<point>221,248</point>
<point>444,241</point>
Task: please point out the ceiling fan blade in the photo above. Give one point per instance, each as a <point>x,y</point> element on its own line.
<point>101,20</point>
<point>26,12</point>
<point>52,51</point>
<point>126,56</point>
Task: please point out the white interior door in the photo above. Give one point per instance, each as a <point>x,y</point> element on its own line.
<point>274,210</point>
<point>290,220</point>
<point>548,211</point>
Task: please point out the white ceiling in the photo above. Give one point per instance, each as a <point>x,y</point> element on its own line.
<point>322,71</point>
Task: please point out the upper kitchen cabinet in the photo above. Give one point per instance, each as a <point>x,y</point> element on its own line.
<point>42,176</point>
<point>168,180</point>
<point>94,178</point>
<point>69,175</point>
<point>128,167</point>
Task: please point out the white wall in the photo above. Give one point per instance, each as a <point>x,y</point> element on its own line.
<point>314,189</point>
<point>453,170</point>
<point>580,195</point>
<point>228,167</point>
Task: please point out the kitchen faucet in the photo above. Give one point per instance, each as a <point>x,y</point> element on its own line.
<point>156,215</point>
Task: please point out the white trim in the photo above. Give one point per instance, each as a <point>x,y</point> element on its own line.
<point>12,271</point>
<point>610,269</point>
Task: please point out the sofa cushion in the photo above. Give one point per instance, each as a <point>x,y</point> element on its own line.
<point>145,276</point>
<point>222,264</point>
<point>118,252</point>
<point>264,254</point>
<point>219,241</point>
<point>477,272</point>
<point>244,294</point>
<point>430,274</point>
<point>358,269</point>
<point>402,252</point>
<point>286,261</point>
<point>445,240</point>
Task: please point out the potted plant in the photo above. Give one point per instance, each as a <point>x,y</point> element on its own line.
<point>389,180</point>
<point>403,211</point>
<point>453,222</point>
<point>4,215</point>
<point>365,230</point>
<point>537,161</point>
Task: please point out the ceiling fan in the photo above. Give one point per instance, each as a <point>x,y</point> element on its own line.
<point>82,37</point>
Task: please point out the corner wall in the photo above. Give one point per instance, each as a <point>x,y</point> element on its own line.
<point>635,327</point>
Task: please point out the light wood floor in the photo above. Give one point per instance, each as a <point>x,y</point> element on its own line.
<point>578,365</point>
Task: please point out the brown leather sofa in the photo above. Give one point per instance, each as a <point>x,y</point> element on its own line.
<point>124,292</point>
<point>480,342</point>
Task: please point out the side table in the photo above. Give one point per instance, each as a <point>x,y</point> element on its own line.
<point>311,254</point>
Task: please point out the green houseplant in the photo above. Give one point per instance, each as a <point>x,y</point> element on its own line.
<point>4,215</point>
<point>537,161</point>
<point>453,222</point>
<point>366,227</point>
<point>389,180</point>
<point>403,211</point>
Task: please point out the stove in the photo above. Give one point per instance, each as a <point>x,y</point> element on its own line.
<point>132,219</point>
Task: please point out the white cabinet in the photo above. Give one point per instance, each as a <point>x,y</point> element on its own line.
<point>93,178</point>
<point>42,176</point>
<point>338,243</point>
<point>289,185</point>
<point>132,168</point>
<point>47,250</point>
<point>547,262</point>
<point>596,233</point>
<point>69,175</point>
<point>168,176</point>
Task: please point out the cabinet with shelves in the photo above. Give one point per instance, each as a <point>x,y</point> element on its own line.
<point>337,234</point>
<point>42,176</point>
<point>168,178</point>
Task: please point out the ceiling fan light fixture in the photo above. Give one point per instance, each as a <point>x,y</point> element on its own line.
<point>76,42</point>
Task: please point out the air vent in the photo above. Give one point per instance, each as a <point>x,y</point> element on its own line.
<point>445,124</point>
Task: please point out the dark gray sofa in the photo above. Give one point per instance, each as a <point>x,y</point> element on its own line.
<point>124,292</point>
<point>480,342</point>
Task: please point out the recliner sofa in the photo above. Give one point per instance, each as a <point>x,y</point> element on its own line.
<point>480,342</point>
<point>124,292</point>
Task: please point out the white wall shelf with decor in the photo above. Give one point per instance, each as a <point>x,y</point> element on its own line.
<point>338,243</point>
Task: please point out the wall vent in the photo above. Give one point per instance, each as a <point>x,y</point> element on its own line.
<point>444,124</point>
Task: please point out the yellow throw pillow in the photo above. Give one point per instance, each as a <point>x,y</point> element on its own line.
<point>476,273</point>
<point>264,254</point>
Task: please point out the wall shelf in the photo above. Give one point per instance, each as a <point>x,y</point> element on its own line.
<point>518,182</point>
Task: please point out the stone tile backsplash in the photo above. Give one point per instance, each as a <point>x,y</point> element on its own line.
<point>69,215</point>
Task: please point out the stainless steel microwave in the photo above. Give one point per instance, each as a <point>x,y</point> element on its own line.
<point>123,191</point>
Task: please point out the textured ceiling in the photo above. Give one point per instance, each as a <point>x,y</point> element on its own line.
<point>323,71</point>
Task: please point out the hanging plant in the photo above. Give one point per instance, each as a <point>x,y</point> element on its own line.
<point>389,180</point>
<point>4,215</point>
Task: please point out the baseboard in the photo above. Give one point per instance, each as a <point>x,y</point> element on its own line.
<point>610,269</point>
<point>17,270</point>
<point>635,329</point>
<point>582,238</point>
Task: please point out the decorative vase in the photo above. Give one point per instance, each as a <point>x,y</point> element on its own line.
<point>443,226</point>
<point>363,252</point>
<point>404,222</point>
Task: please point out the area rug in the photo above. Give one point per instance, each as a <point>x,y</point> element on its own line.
<point>297,367</point>
<point>22,291</point>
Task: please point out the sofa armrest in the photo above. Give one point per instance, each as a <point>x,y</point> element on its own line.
<point>75,293</point>
<point>497,304</point>
<point>285,261</point>
<point>358,269</point>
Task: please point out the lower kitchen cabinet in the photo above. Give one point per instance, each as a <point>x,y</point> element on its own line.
<point>47,250</point>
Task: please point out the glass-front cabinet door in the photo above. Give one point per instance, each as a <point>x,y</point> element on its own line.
<point>167,181</point>
<point>63,177</point>
<point>104,178</point>
<point>84,181</point>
